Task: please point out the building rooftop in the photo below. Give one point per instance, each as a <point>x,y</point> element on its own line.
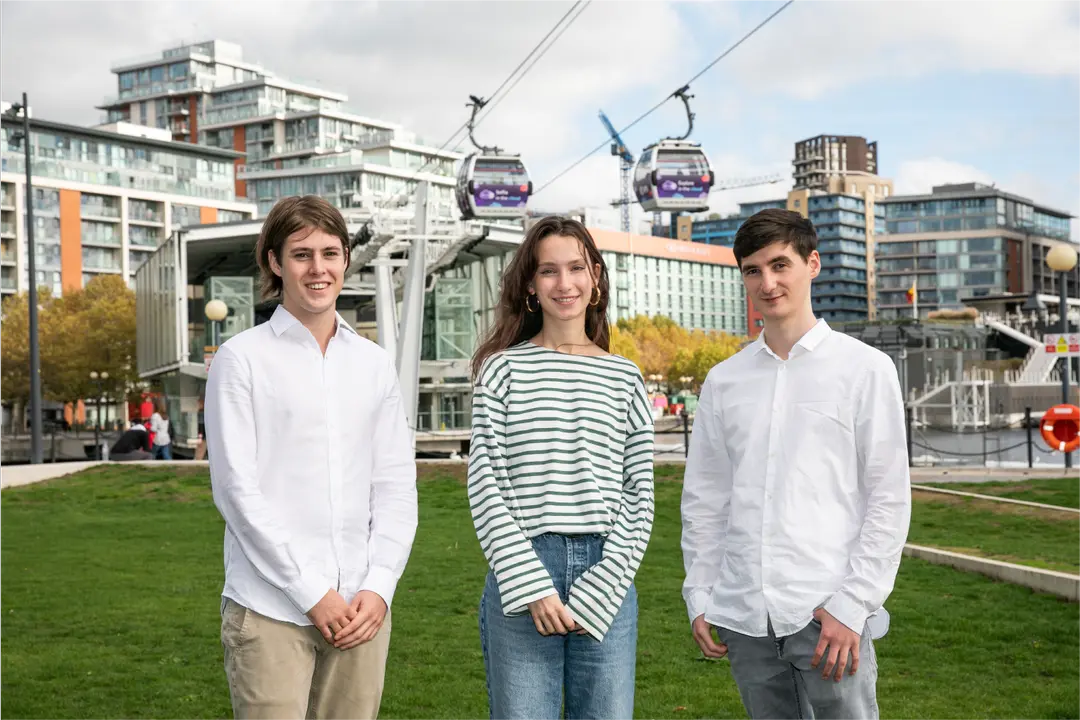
<point>131,138</point>
<point>973,190</point>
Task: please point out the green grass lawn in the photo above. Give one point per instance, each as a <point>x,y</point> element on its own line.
<point>1002,531</point>
<point>110,608</point>
<point>1064,492</point>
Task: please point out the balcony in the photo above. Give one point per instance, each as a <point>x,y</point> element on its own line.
<point>7,229</point>
<point>7,255</point>
<point>93,212</point>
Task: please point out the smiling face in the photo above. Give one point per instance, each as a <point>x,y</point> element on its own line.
<point>778,280</point>
<point>312,269</point>
<point>563,282</point>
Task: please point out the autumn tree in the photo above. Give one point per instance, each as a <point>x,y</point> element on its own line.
<point>15,349</point>
<point>665,348</point>
<point>622,343</point>
<point>91,329</point>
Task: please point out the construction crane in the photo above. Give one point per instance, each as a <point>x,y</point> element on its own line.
<point>626,166</point>
<point>733,183</point>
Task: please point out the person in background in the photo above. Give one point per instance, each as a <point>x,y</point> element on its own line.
<point>560,487</point>
<point>133,444</point>
<point>159,427</point>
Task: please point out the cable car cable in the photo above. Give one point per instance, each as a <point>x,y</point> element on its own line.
<point>492,105</point>
<point>465,125</point>
<point>654,108</point>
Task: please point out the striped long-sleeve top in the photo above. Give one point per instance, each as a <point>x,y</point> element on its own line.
<point>561,444</point>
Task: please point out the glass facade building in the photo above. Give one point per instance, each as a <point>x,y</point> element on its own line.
<point>721,231</point>
<point>291,138</point>
<point>840,292</point>
<point>103,201</point>
<point>964,242</point>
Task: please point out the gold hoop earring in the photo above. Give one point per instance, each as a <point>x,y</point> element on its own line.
<point>528,306</point>
<point>595,302</point>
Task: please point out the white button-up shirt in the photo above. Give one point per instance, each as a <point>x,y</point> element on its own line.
<point>797,493</point>
<point>312,467</point>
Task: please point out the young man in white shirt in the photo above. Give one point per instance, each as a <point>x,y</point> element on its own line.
<point>313,469</point>
<point>796,498</point>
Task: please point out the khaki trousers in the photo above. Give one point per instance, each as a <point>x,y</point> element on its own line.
<point>279,670</point>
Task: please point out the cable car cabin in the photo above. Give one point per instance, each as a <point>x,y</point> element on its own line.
<point>493,186</point>
<point>673,175</point>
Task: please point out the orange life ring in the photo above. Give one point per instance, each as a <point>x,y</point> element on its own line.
<point>1060,427</point>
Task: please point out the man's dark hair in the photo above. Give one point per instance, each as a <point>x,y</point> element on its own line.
<point>775,226</point>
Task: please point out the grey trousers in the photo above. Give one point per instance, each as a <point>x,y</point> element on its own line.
<point>776,681</point>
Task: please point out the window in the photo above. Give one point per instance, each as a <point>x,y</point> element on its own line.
<point>983,244</point>
<point>948,280</point>
<point>984,277</point>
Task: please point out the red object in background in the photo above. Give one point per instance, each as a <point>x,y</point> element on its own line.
<point>143,408</point>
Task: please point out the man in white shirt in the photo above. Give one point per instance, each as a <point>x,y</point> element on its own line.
<point>313,469</point>
<point>796,499</point>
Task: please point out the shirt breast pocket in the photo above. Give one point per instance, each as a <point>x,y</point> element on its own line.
<point>824,438</point>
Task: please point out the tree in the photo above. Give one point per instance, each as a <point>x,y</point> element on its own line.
<point>15,349</point>
<point>665,348</point>
<point>622,343</point>
<point>90,329</point>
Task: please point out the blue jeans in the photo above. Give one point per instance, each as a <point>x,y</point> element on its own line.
<point>162,452</point>
<point>527,673</point>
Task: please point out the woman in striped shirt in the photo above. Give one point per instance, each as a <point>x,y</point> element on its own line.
<point>560,486</point>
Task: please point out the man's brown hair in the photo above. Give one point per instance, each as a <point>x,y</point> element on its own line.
<point>290,215</point>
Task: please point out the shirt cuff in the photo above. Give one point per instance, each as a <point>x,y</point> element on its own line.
<point>597,632</point>
<point>521,605</point>
<point>697,601</point>
<point>306,592</point>
<point>847,610</point>
<point>381,581</point>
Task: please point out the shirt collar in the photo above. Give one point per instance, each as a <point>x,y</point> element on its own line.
<point>283,320</point>
<point>808,342</point>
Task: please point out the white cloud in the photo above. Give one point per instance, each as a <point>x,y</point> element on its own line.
<point>916,177</point>
<point>813,48</point>
<point>414,63</point>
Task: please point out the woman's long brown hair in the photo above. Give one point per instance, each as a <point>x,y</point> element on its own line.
<point>513,321</point>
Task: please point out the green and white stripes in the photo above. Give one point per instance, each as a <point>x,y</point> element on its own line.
<point>561,444</point>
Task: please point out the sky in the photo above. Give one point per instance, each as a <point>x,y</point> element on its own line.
<point>951,91</point>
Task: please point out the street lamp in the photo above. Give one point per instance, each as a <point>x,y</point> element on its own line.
<point>31,261</point>
<point>98,377</point>
<point>1062,259</point>
<point>216,311</point>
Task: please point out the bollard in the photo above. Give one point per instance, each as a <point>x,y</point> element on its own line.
<point>685,432</point>
<point>1030,447</point>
